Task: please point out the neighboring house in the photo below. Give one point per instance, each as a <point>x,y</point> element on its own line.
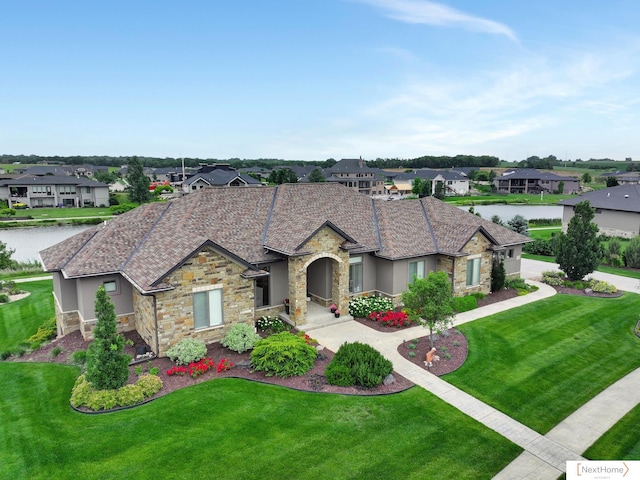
<point>58,170</point>
<point>626,178</point>
<point>354,173</point>
<point>55,191</point>
<point>530,180</point>
<point>454,182</point>
<point>617,210</point>
<point>193,267</point>
<point>218,178</point>
<point>119,185</point>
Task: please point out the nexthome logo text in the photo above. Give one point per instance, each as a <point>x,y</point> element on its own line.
<point>602,470</point>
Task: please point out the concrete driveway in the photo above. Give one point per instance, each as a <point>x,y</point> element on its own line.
<point>532,269</point>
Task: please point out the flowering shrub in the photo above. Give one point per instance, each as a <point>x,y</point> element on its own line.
<point>274,324</point>
<point>361,307</point>
<point>201,366</point>
<point>224,365</point>
<point>390,318</point>
<point>177,370</point>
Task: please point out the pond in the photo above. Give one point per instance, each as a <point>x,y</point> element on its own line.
<point>27,242</point>
<point>507,212</point>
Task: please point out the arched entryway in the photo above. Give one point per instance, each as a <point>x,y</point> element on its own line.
<point>322,279</point>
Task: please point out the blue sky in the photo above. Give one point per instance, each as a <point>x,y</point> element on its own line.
<point>318,79</point>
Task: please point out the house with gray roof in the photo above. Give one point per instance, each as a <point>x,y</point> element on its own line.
<point>355,174</point>
<point>218,178</point>
<point>530,180</point>
<point>54,191</point>
<point>617,210</point>
<point>193,267</point>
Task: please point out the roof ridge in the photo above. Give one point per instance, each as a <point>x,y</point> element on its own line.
<point>267,223</point>
<point>430,227</point>
<point>376,223</point>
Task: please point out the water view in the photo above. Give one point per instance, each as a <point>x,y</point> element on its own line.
<point>27,242</point>
<point>507,212</point>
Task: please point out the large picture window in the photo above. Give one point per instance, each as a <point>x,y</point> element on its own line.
<point>207,308</point>
<point>416,270</point>
<point>355,274</point>
<point>473,272</point>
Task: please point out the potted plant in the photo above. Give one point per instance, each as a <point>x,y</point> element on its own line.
<point>333,308</point>
<point>337,313</point>
<point>286,305</point>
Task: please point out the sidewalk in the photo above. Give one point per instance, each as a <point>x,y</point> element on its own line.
<point>544,457</point>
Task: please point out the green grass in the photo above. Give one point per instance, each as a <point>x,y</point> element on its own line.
<point>540,362</point>
<point>621,442</point>
<point>14,274</point>
<point>46,213</point>
<point>512,198</point>
<point>236,429</point>
<point>544,233</point>
<point>19,320</point>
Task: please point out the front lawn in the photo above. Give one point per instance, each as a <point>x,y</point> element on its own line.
<point>540,362</point>
<point>621,442</point>
<point>230,428</point>
<point>21,319</point>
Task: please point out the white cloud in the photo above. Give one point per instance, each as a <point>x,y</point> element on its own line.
<point>431,13</point>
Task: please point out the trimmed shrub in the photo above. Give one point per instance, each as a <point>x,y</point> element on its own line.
<point>553,278</point>
<point>240,338</point>
<point>57,350</point>
<point>601,286</point>
<point>103,400</point>
<point>367,367</point>
<point>464,304</point>
<point>129,395</point>
<point>540,247</point>
<point>81,392</point>
<point>361,307</point>
<point>149,384</point>
<point>283,355</point>
<point>45,332</point>
<point>339,375</point>
<point>187,351</point>
<point>4,298</point>
<point>4,355</point>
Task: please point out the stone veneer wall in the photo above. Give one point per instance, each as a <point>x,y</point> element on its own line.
<point>325,243</point>
<point>144,307</point>
<point>477,245</point>
<point>66,322</point>
<point>125,323</point>
<point>174,308</point>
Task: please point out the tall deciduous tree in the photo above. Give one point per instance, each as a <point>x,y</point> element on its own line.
<point>578,252</point>
<point>107,364</point>
<point>429,301</point>
<point>421,187</point>
<point>138,181</point>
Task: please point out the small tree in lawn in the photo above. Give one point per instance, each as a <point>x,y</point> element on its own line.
<point>429,301</point>
<point>578,252</point>
<point>519,224</point>
<point>107,365</point>
<point>5,255</point>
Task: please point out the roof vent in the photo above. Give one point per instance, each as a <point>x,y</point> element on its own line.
<point>608,194</point>
<point>626,196</point>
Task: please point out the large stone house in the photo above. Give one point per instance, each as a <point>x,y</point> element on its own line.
<point>194,266</point>
<point>617,210</point>
<point>355,174</point>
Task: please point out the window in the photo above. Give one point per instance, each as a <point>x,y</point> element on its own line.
<point>416,270</point>
<point>510,253</point>
<point>110,287</point>
<point>87,189</point>
<point>473,272</point>
<point>207,308</point>
<point>355,274</point>
<point>262,289</point>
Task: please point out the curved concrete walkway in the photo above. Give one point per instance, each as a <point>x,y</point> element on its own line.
<point>544,456</point>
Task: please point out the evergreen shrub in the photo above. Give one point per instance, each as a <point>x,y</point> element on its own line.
<point>367,367</point>
<point>283,355</point>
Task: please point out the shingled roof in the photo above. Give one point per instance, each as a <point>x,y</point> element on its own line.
<point>258,225</point>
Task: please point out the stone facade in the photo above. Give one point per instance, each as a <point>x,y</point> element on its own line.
<point>325,243</point>
<point>66,322</point>
<point>174,308</point>
<point>478,245</point>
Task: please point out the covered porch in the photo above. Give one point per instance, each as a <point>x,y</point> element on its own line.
<point>317,316</point>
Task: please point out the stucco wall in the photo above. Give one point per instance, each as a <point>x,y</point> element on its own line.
<point>614,223</point>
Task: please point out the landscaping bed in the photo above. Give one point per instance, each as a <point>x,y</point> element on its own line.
<point>312,381</point>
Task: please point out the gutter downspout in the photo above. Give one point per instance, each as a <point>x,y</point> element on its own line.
<point>155,320</point>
